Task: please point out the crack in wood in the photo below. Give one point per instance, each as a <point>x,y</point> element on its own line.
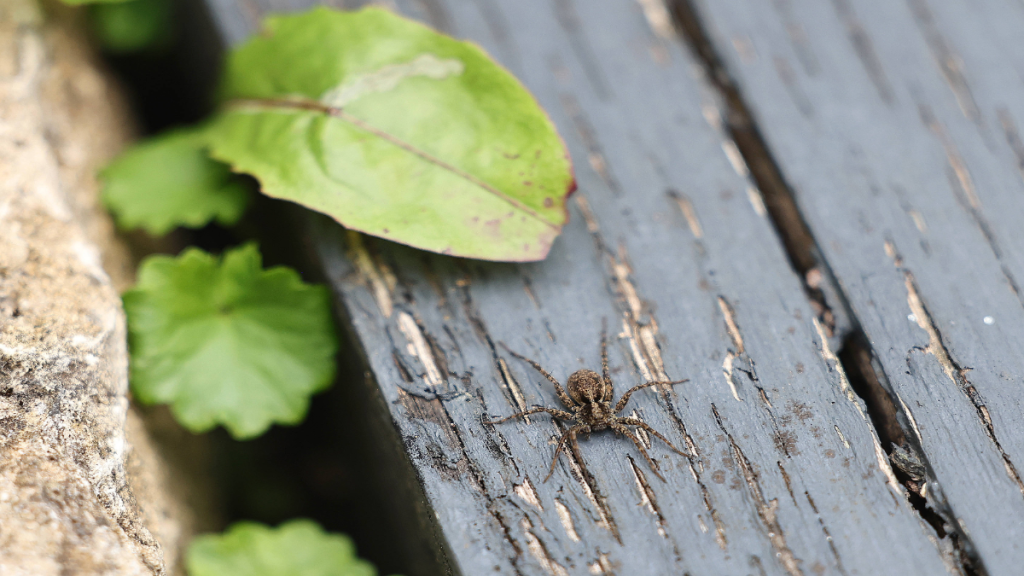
<point>828,535</point>
<point>834,363</point>
<point>731,326</point>
<point>602,566</point>
<point>528,288</point>
<point>757,201</point>
<point>380,280</point>
<point>686,207</point>
<point>539,550</point>
<point>1012,137</point>
<point>659,19</point>
<point>648,499</point>
<point>737,342</point>
<point>566,519</point>
<point>766,510</point>
<point>949,63</point>
<point>842,438</point>
<point>528,493</point>
<point>864,49</point>
<point>789,484</point>
<point>513,387</point>
<point>720,537</point>
<point>589,487</point>
<point>420,349</point>
<point>953,370</point>
<point>953,157</point>
<point>595,154</point>
<point>640,432</point>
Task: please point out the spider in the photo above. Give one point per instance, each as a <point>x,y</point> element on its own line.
<point>590,399</point>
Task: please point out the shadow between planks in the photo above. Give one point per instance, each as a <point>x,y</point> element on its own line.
<point>671,242</point>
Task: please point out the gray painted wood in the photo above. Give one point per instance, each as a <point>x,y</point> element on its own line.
<point>668,241</point>
<point>897,126</point>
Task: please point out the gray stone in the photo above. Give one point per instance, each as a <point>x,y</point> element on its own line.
<point>82,488</point>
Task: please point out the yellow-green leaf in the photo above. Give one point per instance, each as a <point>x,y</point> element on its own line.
<point>396,131</point>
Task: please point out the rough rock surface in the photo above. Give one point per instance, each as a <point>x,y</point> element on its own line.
<point>82,488</point>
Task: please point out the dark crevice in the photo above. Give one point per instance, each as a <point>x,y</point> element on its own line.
<point>792,229</point>
<point>855,356</point>
<point>905,456</point>
<point>827,300</point>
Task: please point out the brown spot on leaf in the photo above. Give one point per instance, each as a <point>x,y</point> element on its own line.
<point>718,476</point>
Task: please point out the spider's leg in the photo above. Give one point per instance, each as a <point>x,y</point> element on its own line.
<point>645,426</point>
<point>570,433</point>
<point>558,387</point>
<point>556,413</point>
<point>625,397</point>
<point>576,450</point>
<point>625,431</point>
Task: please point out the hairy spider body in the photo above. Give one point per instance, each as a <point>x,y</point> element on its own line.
<point>590,399</point>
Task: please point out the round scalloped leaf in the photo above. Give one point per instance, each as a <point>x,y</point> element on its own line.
<point>296,548</point>
<point>170,181</point>
<point>397,131</point>
<point>225,342</point>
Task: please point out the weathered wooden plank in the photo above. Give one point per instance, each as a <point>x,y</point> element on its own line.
<point>670,242</point>
<point>896,125</point>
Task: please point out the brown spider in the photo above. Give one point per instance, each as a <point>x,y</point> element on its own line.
<point>590,398</point>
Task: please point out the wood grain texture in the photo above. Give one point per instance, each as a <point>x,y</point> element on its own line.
<point>897,126</point>
<point>670,242</point>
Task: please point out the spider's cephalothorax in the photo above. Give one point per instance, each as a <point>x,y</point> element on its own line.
<point>590,399</point>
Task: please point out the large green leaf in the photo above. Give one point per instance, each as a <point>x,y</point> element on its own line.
<point>397,131</point>
<point>170,181</point>
<point>296,548</point>
<point>225,342</point>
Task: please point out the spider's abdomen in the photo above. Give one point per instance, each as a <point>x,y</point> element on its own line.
<point>586,386</point>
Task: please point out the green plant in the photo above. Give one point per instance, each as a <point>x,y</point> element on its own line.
<point>129,25</point>
<point>390,128</point>
<point>296,548</point>
<point>225,342</point>
<point>169,182</point>
<point>133,25</point>
<point>82,2</point>
<point>387,126</point>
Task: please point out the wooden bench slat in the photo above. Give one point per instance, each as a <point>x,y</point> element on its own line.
<point>669,242</point>
<point>897,126</point>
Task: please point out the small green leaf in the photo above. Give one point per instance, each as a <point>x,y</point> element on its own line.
<point>82,2</point>
<point>225,342</point>
<point>397,131</point>
<point>132,26</point>
<point>296,548</point>
<point>170,181</point>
